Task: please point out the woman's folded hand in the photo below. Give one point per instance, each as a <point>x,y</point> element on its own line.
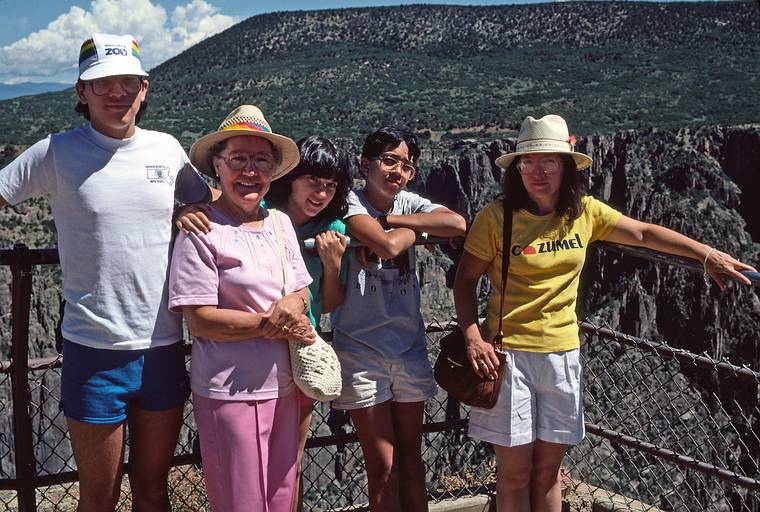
<point>283,314</point>
<point>303,332</point>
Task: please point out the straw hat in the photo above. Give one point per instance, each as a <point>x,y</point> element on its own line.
<point>546,135</point>
<point>245,120</point>
<point>105,55</point>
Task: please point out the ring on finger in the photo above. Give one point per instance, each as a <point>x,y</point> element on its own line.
<point>285,328</point>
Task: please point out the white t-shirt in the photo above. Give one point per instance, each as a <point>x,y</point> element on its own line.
<point>112,201</point>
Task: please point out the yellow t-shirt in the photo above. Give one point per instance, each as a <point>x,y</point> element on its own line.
<point>547,255</point>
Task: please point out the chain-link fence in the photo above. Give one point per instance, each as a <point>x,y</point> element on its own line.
<point>668,430</point>
<point>333,468</point>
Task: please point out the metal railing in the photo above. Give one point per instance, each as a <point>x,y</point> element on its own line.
<point>668,430</point>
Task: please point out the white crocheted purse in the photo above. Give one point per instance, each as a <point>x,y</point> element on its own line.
<point>315,367</point>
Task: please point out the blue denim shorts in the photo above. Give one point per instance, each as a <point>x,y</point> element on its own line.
<point>98,386</point>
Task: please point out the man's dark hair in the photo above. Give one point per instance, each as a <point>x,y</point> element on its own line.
<point>390,137</point>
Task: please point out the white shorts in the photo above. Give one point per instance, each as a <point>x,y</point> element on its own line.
<point>369,380</point>
<point>541,397</point>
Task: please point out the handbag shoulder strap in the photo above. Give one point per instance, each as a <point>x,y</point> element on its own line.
<point>275,215</point>
<point>505,252</point>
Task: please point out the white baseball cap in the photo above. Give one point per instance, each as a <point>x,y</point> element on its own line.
<point>109,55</point>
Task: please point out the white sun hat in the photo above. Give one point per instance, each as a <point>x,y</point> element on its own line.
<point>546,135</point>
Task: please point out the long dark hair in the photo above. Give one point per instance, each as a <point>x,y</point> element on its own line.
<point>569,204</point>
<point>320,158</point>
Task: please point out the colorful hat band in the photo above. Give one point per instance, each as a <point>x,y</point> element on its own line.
<point>87,50</point>
<point>248,125</point>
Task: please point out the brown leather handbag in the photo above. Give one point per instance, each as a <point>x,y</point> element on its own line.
<point>453,371</point>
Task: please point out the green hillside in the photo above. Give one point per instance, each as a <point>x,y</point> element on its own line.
<point>453,71</point>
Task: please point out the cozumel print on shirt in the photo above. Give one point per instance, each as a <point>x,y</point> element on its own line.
<point>547,254</point>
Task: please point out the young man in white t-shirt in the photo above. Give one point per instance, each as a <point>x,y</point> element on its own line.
<point>112,188</point>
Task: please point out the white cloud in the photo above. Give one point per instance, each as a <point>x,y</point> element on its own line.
<point>51,54</point>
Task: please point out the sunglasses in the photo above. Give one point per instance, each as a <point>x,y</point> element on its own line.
<point>129,84</point>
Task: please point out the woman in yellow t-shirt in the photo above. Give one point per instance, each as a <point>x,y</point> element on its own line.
<point>539,413</point>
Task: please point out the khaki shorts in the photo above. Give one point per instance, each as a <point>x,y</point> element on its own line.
<point>541,397</point>
<point>370,380</point>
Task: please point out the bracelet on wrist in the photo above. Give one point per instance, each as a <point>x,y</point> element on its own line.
<point>704,263</point>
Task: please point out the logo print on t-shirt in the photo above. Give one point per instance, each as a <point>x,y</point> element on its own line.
<point>550,246</point>
<point>159,174</point>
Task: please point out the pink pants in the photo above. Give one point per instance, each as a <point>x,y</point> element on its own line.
<point>249,452</point>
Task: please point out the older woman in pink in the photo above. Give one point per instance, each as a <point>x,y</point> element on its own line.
<point>244,300</point>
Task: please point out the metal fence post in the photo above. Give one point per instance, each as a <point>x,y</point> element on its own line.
<point>21,293</point>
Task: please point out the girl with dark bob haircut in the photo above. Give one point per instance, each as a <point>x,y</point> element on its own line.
<point>314,195</point>
<point>322,159</point>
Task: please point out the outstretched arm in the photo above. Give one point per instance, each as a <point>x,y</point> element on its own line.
<point>718,265</point>
<point>440,222</point>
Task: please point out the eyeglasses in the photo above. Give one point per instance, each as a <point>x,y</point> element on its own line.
<point>102,86</point>
<point>389,162</point>
<point>549,164</point>
<point>260,162</point>
<point>318,184</point>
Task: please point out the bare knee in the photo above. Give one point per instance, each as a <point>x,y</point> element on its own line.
<point>101,501</point>
<point>409,457</point>
<point>149,494</point>
<point>544,478</point>
<point>98,492</point>
<point>382,472</point>
<point>513,481</point>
